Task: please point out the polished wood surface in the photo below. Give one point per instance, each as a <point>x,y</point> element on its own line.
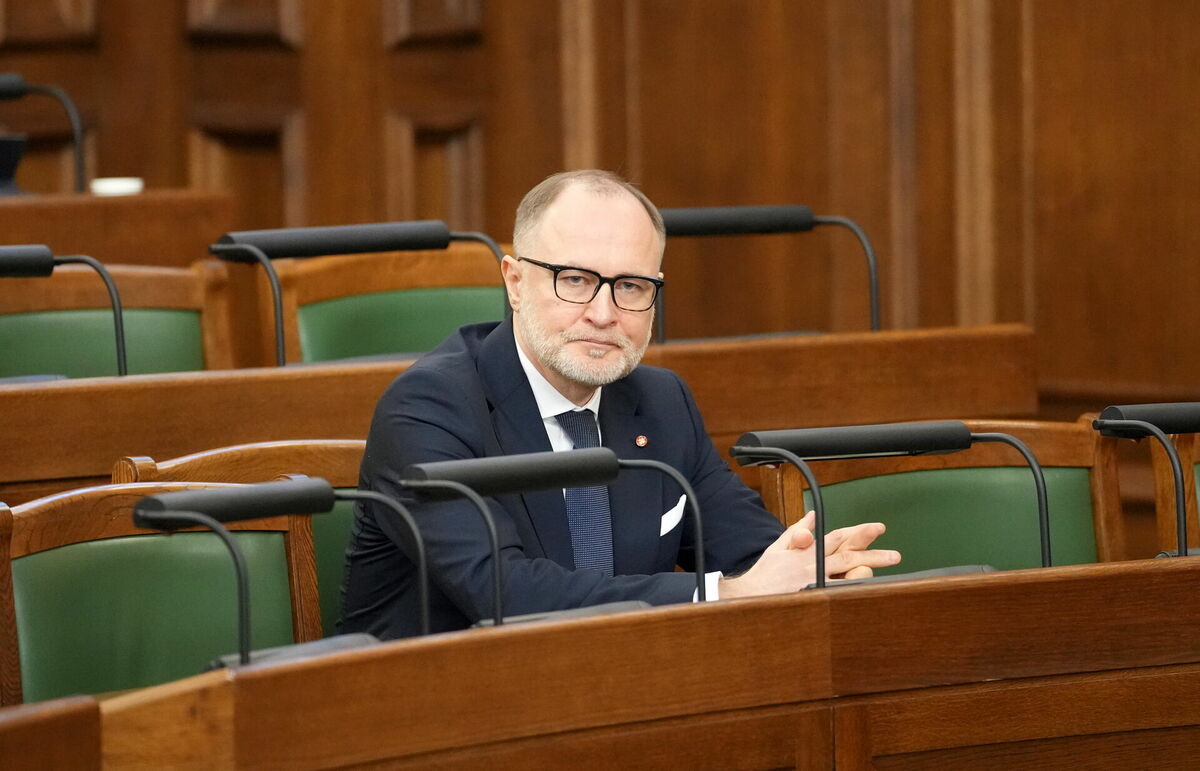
<point>96,513</point>
<point>1052,443</point>
<point>783,681</point>
<point>1165,508</point>
<point>894,376</point>
<point>170,228</point>
<point>164,416</point>
<point>61,733</point>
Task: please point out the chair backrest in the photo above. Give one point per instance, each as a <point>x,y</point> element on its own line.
<point>395,302</point>
<point>1188,447</point>
<point>90,603</point>
<point>176,319</point>
<point>335,460</point>
<point>977,506</point>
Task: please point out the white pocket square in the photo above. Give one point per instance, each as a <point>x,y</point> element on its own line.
<point>672,517</point>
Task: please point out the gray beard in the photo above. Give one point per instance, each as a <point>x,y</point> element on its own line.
<point>550,349</point>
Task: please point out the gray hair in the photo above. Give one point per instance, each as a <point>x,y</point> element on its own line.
<point>598,181</point>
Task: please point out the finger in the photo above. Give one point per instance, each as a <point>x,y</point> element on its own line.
<point>853,538</point>
<point>846,561</point>
<point>797,536</point>
<point>862,571</point>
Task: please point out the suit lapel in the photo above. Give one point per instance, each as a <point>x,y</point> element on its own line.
<point>519,429</point>
<point>635,498</point>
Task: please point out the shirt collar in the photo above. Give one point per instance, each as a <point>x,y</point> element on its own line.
<point>549,401</point>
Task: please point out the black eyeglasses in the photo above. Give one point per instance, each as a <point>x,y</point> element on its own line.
<point>580,285</point>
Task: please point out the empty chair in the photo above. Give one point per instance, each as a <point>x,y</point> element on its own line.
<point>90,603</point>
<point>382,303</point>
<point>176,319</point>
<point>977,506</point>
<point>335,460</point>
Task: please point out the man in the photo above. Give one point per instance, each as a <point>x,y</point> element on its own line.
<point>582,283</point>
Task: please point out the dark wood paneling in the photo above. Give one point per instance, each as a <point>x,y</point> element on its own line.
<point>38,21</point>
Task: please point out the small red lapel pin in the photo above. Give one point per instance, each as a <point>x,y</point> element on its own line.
<point>641,440</point>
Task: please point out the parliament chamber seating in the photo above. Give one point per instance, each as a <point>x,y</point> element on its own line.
<point>335,460</point>
<point>89,603</point>
<point>383,303</point>
<point>176,319</point>
<point>60,733</point>
<point>977,506</point>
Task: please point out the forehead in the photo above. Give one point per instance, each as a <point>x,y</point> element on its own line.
<point>609,232</point>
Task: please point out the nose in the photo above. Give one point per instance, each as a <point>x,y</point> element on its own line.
<point>602,310</point>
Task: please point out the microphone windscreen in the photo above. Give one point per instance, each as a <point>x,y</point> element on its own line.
<point>26,260</point>
<point>12,86</point>
<point>341,239</point>
<point>521,473</point>
<point>939,436</point>
<point>306,495</point>
<point>737,220</point>
<point>1169,417</point>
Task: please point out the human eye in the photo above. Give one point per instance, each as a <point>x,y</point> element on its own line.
<point>632,287</point>
<point>575,278</point>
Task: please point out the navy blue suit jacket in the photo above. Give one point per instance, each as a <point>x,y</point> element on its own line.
<point>470,398</point>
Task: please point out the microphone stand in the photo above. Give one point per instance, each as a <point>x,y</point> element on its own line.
<point>148,519</point>
<point>762,454</point>
<point>693,507</point>
<point>257,254</point>
<point>114,299</point>
<point>488,521</point>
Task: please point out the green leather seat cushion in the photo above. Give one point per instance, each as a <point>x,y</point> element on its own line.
<point>81,343</point>
<point>402,321</point>
<point>135,611</point>
<point>968,516</point>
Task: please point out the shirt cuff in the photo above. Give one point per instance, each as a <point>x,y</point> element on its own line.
<point>710,587</point>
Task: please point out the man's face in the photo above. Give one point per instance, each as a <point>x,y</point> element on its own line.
<point>578,347</point>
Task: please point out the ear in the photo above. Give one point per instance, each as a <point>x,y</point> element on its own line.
<point>510,270</point>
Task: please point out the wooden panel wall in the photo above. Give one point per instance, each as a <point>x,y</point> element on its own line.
<point>1012,160</point>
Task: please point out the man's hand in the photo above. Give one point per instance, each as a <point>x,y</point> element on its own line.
<point>790,563</point>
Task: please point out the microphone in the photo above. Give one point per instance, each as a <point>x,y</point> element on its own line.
<point>764,220</point>
<point>262,246</point>
<point>339,239</point>
<point>693,507</point>
<point>1134,421</point>
<point>13,86</point>
<point>475,477</point>
<point>170,521</point>
<point>921,438</point>
<point>36,261</point>
<point>926,437</point>
<point>295,495</point>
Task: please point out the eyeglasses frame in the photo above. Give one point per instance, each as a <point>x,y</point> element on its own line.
<point>602,280</point>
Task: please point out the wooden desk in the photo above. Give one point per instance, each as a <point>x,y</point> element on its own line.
<point>1098,656</point>
<point>170,228</point>
<point>66,434</point>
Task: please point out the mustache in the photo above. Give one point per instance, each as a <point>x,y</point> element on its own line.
<point>618,339</point>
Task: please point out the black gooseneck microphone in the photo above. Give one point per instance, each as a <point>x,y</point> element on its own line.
<point>693,508</point>
<point>474,478</point>
<point>764,220</point>
<point>13,86</point>
<point>1134,421</point>
<point>747,454</point>
<point>927,437</point>
<point>262,246</point>
<point>295,495</point>
<point>36,261</point>
<point>176,519</point>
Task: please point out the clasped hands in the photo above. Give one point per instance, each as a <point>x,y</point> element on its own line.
<point>790,564</point>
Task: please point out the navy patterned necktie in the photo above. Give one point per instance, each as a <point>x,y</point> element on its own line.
<point>587,507</point>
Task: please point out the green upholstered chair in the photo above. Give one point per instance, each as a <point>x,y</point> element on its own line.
<point>335,460</point>
<point>396,302</point>
<point>89,603</point>
<point>977,506</point>
<point>176,319</point>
